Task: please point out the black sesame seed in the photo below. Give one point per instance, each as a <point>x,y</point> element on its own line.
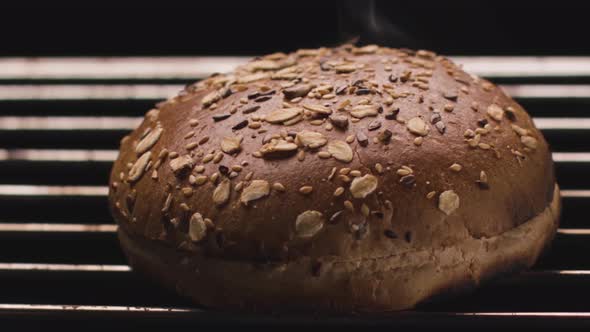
<point>408,180</point>
<point>359,83</point>
<point>509,111</point>
<point>408,236</point>
<point>224,170</point>
<point>390,234</point>
<point>220,117</point>
<point>482,122</point>
<point>262,99</point>
<point>335,217</point>
<point>440,126</point>
<point>450,96</point>
<point>316,268</point>
<point>392,78</point>
<point>254,95</point>
<point>339,121</point>
<point>226,93</point>
<point>385,136</point>
<point>374,125</point>
<point>392,115</point>
<point>220,239</point>
<point>435,117</point>
<point>341,89</point>
<point>361,232</point>
<point>482,185</point>
<point>250,109</point>
<point>268,93</point>
<point>362,91</point>
<point>377,214</point>
<point>362,138</point>
<point>240,125</point>
<point>325,66</point>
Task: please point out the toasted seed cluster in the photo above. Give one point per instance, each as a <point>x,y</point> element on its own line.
<point>324,109</point>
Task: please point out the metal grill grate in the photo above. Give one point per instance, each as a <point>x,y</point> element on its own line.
<point>60,123</point>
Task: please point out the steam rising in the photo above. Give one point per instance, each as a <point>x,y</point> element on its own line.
<point>361,22</point>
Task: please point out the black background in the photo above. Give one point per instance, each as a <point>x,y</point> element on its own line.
<point>256,27</point>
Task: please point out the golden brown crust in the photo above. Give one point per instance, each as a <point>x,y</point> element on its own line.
<point>350,152</point>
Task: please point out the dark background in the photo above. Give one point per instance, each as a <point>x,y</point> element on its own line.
<point>257,27</point>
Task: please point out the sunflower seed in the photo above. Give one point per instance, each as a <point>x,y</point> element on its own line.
<point>201,179</point>
<point>278,187</point>
<point>529,141</point>
<point>369,49</point>
<point>519,130</point>
<point>306,190</point>
<point>348,205</point>
<point>149,140</point>
<point>343,69</point>
<point>187,191</point>
<point>455,167</point>
<point>252,78</point>
<point>211,98</point>
<point>139,167</point>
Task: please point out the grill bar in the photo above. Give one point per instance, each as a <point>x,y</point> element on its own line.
<point>202,66</point>
<point>59,257</point>
<point>23,92</point>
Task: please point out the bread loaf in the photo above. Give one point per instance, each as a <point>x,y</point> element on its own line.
<point>346,180</point>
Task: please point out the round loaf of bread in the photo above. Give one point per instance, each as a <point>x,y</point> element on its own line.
<point>346,180</point>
